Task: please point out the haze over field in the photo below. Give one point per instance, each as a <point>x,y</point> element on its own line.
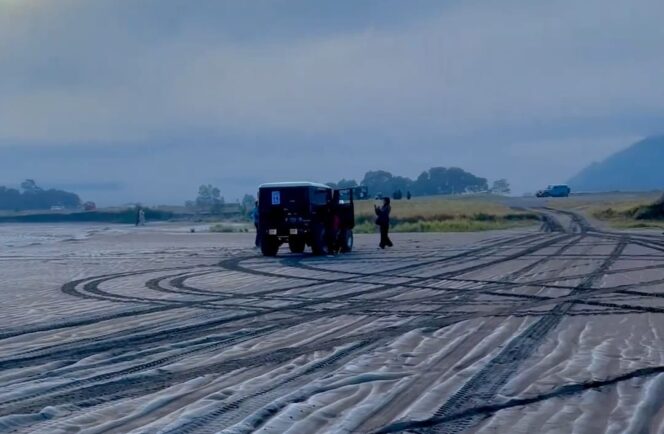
<point>144,101</point>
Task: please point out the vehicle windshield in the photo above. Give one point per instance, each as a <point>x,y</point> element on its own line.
<point>344,196</point>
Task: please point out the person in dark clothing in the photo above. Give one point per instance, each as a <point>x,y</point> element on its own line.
<point>254,216</point>
<point>383,221</point>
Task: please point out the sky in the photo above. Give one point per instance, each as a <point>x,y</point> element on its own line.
<point>142,101</point>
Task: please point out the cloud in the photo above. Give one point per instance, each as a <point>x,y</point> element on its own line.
<point>486,65</point>
<point>463,80</point>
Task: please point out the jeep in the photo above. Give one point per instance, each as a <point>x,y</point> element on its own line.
<point>305,214</point>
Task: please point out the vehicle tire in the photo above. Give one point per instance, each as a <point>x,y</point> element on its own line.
<point>296,244</point>
<point>346,241</point>
<point>269,246</point>
<point>319,245</point>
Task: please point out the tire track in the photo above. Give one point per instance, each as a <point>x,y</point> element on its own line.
<point>134,341</point>
<point>485,384</point>
<point>151,376</point>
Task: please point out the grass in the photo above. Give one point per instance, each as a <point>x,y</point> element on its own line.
<point>444,214</point>
<point>630,224</point>
<point>430,207</point>
<point>618,210</point>
<point>600,201</point>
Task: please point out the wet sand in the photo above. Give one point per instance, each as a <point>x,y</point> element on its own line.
<point>158,330</point>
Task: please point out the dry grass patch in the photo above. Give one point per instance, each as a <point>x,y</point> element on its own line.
<point>618,210</point>
<point>445,214</point>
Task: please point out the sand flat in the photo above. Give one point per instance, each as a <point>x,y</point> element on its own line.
<point>145,330</point>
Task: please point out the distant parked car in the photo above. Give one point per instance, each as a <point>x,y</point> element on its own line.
<point>554,191</point>
<point>89,206</point>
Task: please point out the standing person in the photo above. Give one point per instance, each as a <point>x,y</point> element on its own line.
<point>383,221</point>
<point>141,217</point>
<point>254,216</point>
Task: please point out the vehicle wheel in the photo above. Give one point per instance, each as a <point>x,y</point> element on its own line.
<point>346,241</point>
<point>269,246</point>
<point>296,244</point>
<point>319,241</point>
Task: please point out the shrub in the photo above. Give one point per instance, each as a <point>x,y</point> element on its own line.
<point>222,228</point>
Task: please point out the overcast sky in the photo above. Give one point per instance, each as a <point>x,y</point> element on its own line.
<point>126,100</point>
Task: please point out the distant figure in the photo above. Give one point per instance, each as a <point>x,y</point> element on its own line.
<point>383,221</point>
<point>408,195</point>
<point>141,217</point>
<point>138,216</point>
<point>254,215</point>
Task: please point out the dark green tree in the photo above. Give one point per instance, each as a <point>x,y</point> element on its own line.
<point>501,186</point>
<point>33,197</point>
<point>347,183</point>
<point>209,197</point>
<point>248,202</point>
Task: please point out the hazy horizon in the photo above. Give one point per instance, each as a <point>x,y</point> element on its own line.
<point>143,102</point>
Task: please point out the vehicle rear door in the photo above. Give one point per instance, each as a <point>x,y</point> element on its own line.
<point>281,205</point>
<point>344,207</point>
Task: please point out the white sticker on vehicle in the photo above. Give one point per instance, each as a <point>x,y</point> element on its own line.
<point>276,198</point>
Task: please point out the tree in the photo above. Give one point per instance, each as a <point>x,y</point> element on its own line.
<point>454,181</point>
<point>248,202</point>
<point>378,181</point>
<point>422,185</point>
<point>347,183</point>
<point>437,180</point>
<point>209,197</point>
<point>34,197</point>
<point>30,186</point>
<point>501,186</point>
<point>381,181</point>
<point>400,183</point>
<point>10,199</point>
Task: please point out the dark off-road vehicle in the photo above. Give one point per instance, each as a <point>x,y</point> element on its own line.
<point>305,214</point>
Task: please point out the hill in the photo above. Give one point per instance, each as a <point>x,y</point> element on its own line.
<point>637,168</point>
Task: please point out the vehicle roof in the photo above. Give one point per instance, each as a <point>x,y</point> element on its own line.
<point>293,184</point>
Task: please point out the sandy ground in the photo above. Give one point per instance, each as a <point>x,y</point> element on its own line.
<point>157,330</point>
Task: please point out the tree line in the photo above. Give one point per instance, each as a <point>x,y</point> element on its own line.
<point>435,181</point>
<point>33,197</point>
<point>210,200</point>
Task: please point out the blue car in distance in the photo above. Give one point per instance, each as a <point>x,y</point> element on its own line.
<point>554,191</point>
